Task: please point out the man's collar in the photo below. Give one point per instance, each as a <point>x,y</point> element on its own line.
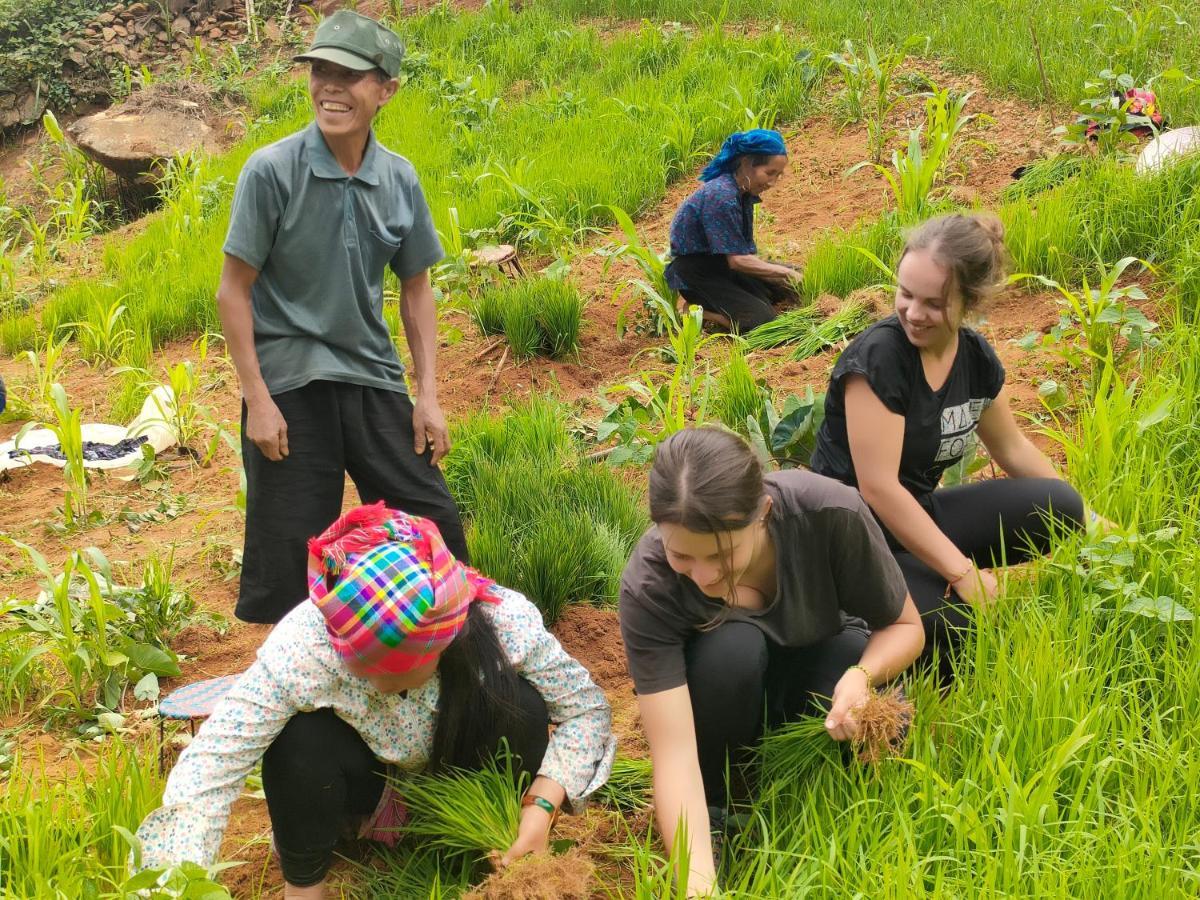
<point>323,164</point>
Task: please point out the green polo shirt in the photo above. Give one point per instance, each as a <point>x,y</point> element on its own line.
<point>320,240</point>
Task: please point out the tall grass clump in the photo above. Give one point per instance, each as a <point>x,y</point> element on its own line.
<point>540,519</point>
<point>59,835</point>
<point>536,316</point>
<point>737,394</point>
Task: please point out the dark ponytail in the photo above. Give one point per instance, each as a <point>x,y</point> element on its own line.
<point>478,700</point>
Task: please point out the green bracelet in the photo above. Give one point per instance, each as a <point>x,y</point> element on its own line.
<point>543,803</point>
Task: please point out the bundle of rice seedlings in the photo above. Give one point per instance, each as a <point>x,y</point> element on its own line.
<point>628,787</point>
<point>737,395</point>
<point>488,312</point>
<point>559,312</point>
<point>786,328</point>
<point>1042,175</point>
<point>463,811</point>
<point>541,876</point>
<point>521,327</point>
<point>842,325</point>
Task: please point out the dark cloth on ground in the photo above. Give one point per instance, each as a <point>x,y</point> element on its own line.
<point>939,426</point>
<point>334,428</point>
<point>319,775</point>
<point>735,674</point>
<point>745,300</point>
<point>997,522</point>
<point>93,451</point>
<point>832,563</point>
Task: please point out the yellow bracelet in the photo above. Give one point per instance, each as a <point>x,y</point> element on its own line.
<point>865,671</point>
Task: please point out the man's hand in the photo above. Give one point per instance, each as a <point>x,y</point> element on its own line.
<point>533,836</point>
<point>429,429</point>
<point>851,692</point>
<point>267,428</point>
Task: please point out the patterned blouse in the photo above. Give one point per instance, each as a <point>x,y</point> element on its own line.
<point>716,220</point>
<point>297,670</point>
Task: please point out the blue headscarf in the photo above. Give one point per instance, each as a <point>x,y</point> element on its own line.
<point>738,144</point>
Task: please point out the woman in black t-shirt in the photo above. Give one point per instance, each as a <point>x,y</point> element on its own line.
<point>905,402</point>
<point>750,596</point>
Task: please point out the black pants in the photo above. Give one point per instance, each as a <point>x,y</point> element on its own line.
<point>319,772</point>
<point>332,429</point>
<point>994,523</point>
<point>744,299</point>
<point>734,675</point>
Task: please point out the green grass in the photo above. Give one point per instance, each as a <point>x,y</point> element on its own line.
<point>536,316</point>
<point>526,494</point>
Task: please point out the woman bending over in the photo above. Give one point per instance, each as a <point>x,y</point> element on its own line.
<point>905,402</point>
<point>714,259</point>
<point>402,659</point>
<point>751,594</point>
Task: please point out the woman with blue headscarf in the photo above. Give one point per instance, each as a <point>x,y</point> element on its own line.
<point>714,260</point>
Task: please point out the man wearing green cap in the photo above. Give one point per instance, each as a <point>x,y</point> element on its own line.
<point>316,219</point>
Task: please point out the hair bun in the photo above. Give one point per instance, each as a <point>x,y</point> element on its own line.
<point>992,227</point>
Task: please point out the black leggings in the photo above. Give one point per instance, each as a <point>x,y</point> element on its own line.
<point>745,300</point>
<point>319,774</point>
<point>995,523</point>
<point>734,673</point>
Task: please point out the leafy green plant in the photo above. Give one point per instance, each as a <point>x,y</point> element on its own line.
<point>658,402</point>
<point>629,784</point>
<point>1042,175</point>
<point>1097,326</point>
<point>787,436</point>
<point>67,429</point>
<point>652,287</point>
<point>47,366</point>
<point>869,89</point>
<point>103,337</point>
<point>78,624</point>
<point>1105,115</point>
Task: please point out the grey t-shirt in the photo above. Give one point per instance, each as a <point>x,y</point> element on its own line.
<point>831,560</point>
<point>320,239</point>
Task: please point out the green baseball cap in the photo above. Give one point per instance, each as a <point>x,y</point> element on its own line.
<point>356,42</point>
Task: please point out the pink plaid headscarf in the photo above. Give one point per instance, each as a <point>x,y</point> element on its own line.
<point>392,594</point>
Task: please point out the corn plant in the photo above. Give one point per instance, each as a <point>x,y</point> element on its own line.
<point>188,418</point>
<point>869,89</point>
<point>659,402</point>
<point>67,428</point>
<point>46,368</point>
<point>1098,327</point>
<point>652,287</point>
<point>103,337</point>
<point>97,645</point>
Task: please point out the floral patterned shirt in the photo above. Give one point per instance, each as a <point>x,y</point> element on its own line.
<point>297,670</point>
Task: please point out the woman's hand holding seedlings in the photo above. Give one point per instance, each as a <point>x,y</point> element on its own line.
<point>533,832</point>
<point>851,692</point>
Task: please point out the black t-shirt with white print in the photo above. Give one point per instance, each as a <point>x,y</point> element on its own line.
<point>938,425</point>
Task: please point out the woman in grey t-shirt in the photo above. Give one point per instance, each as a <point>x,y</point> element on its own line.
<point>750,590</point>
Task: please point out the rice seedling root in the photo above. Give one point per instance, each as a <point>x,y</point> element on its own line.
<point>541,876</point>
<point>883,723</point>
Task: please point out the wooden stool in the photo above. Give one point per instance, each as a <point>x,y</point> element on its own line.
<point>191,703</point>
<point>502,257</point>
